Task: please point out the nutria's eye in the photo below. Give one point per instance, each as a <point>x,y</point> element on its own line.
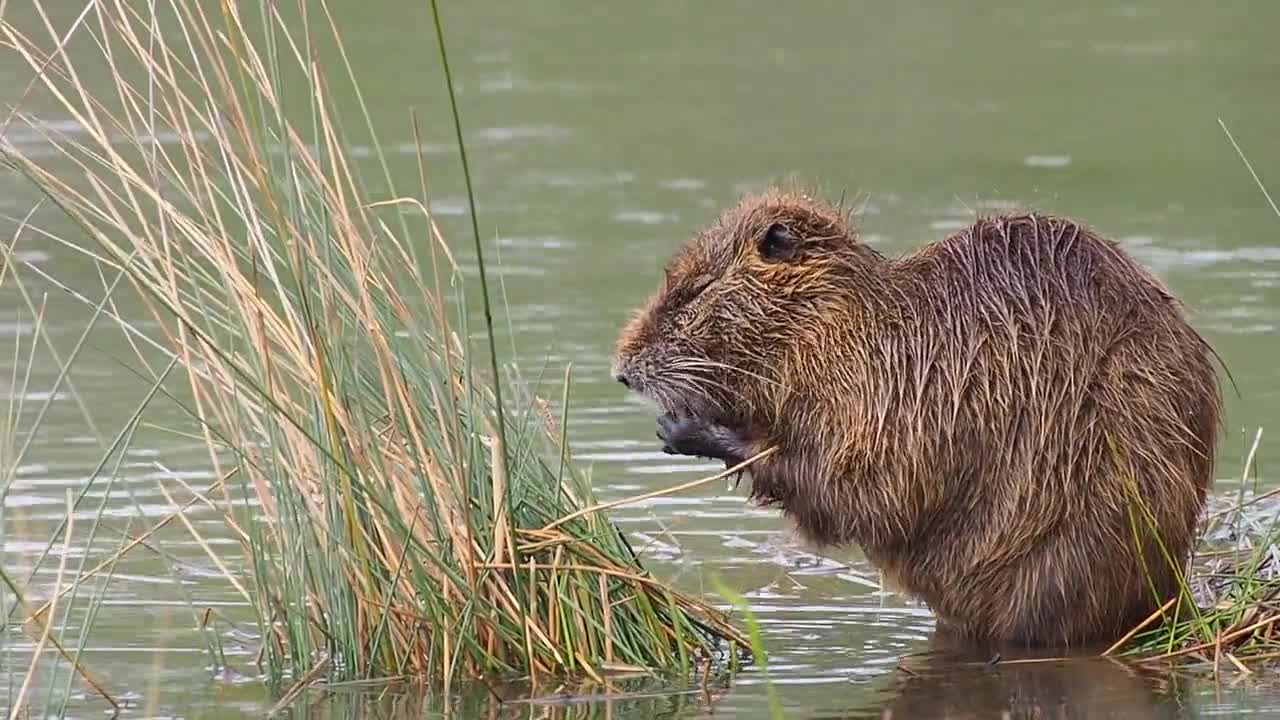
<point>778,244</point>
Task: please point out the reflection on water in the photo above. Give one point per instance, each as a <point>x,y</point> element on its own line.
<point>957,683</point>
<point>945,682</point>
<point>621,700</point>
<point>1086,688</point>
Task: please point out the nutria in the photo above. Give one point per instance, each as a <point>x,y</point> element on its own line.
<point>1015,423</point>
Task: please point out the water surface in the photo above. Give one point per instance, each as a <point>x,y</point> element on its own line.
<point>601,138</point>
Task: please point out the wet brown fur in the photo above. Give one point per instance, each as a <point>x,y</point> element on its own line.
<point>1016,423</point>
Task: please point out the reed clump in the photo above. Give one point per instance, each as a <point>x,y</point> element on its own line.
<point>402,512</point>
<point>1227,616</point>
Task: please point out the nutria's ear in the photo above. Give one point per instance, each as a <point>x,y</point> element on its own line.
<point>778,244</point>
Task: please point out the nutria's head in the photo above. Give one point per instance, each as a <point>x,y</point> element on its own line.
<point>742,307</point>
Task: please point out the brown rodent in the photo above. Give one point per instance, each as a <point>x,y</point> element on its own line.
<point>1015,423</point>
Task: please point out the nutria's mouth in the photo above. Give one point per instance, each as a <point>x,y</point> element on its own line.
<point>764,494</point>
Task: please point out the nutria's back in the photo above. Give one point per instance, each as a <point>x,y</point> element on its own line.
<point>1011,421</point>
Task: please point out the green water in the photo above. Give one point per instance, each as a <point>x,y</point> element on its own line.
<point>601,138</point>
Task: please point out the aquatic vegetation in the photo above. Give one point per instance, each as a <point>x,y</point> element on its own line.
<point>406,505</point>
<point>1228,615</point>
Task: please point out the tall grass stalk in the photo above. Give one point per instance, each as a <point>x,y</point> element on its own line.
<point>389,528</point>
<point>1228,613</point>
<point>776,711</point>
<point>18,431</point>
<point>19,701</point>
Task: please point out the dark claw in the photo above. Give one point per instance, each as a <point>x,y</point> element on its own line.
<point>668,430</point>
<point>700,437</point>
<point>681,435</point>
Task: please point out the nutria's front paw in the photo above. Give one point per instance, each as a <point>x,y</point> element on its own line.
<point>700,437</point>
<point>679,435</point>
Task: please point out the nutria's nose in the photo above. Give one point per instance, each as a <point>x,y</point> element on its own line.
<point>626,382</point>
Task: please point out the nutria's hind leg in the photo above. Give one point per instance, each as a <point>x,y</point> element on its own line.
<point>700,437</point>
<point>1059,598</point>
